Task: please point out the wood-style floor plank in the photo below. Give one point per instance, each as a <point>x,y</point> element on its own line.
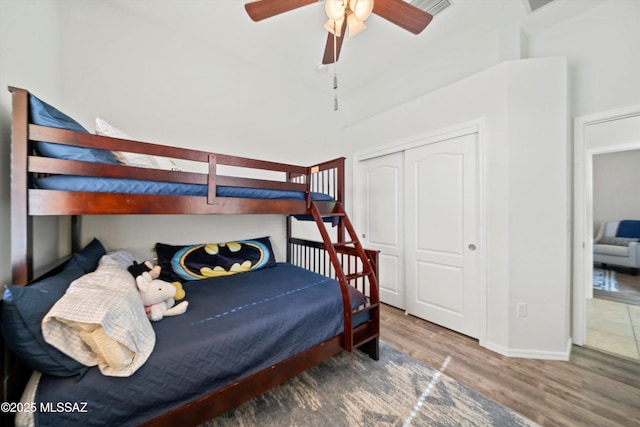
<point>591,389</point>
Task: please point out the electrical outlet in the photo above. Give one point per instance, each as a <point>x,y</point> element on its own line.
<point>521,309</point>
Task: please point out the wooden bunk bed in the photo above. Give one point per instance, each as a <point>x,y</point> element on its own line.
<point>344,259</point>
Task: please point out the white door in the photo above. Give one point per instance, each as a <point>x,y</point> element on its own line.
<point>380,216</point>
<point>441,233</point>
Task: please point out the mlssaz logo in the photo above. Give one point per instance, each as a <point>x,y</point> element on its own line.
<point>80,407</point>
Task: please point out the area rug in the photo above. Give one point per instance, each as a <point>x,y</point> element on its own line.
<point>353,390</point>
<point>625,289</point>
<point>605,280</point>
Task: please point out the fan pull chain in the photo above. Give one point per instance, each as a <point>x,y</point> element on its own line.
<point>335,69</point>
<point>335,89</point>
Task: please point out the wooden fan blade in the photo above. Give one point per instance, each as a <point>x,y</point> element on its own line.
<point>263,9</point>
<point>328,49</point>
<point>403,14</point>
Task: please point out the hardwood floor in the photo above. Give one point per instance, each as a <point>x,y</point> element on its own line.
<point>592,389</point>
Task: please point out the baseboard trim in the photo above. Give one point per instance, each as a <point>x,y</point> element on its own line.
<point>533,354</point>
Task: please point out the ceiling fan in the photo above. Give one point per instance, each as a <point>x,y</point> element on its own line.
<point>346,13</point>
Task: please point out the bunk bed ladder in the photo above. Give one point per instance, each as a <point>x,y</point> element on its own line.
<point>351,243</point>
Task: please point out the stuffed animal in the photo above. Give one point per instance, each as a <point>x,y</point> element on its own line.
<point>137,269</point>
<point>158,297</point>
<point>154,271</point>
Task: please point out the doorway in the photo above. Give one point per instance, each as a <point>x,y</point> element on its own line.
<point>613,314</point>
<point>599,134</point>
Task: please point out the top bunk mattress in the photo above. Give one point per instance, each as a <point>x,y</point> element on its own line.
<point>235,326</point>
<point>137,186</point>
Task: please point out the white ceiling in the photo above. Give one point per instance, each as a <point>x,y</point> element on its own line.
<point>290,46</point>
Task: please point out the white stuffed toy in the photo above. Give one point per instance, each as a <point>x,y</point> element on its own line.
<point>158,297</point>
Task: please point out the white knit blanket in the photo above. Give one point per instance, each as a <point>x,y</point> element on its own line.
<point>100,320</point>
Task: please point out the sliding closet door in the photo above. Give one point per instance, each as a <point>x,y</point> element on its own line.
<point>441,233</point>
<point>381,214</point>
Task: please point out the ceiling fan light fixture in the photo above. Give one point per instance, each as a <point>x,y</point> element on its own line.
<point>355,25</point>
<point>335,9</point>
<point>361,8</point>
<point>334,27</point>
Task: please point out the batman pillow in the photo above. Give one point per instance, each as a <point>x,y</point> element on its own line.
<point>195,262</point>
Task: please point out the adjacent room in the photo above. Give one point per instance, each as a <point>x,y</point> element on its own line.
<point>446,232</point>
<point>616,286</point>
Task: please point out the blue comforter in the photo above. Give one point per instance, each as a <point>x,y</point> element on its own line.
<point>138,186</point>
<point>235,326</point>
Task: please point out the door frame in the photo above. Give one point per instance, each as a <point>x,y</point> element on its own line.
<point>583,208</point>
<point>478,127</point>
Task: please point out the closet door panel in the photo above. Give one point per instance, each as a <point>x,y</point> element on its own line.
<point>441,233</point>
<point>381,184</point>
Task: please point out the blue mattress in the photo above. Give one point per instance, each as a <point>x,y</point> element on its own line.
<point>137,186</point>
<point>234,326</point>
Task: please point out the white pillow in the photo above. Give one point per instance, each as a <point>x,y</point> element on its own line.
<point>133,159</point>
<point>167,164</point>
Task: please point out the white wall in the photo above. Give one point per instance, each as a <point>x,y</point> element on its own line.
<point>459,58</point>
<point>163,84</point>
<point>616,179</point>
<point>601,46</point>
<point>29,50</point>
<point>539,201</point>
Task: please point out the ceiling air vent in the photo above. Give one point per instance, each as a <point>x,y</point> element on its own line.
<point>537,4</point>
<point>432,6</point>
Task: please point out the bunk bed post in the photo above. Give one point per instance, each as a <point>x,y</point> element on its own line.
<point>340,196</point>
<point>310,172</point>
<point>21,222</point>
<point>340,186</point>
<point>14,373</point>
<point>76,233</point>
<point>211,182</point>
<point>372,348</point>
<point>288,237</point>
<point>290,178</point>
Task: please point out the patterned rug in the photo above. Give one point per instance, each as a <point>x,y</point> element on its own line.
<point>605,280</point>
<point>353,390</point>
